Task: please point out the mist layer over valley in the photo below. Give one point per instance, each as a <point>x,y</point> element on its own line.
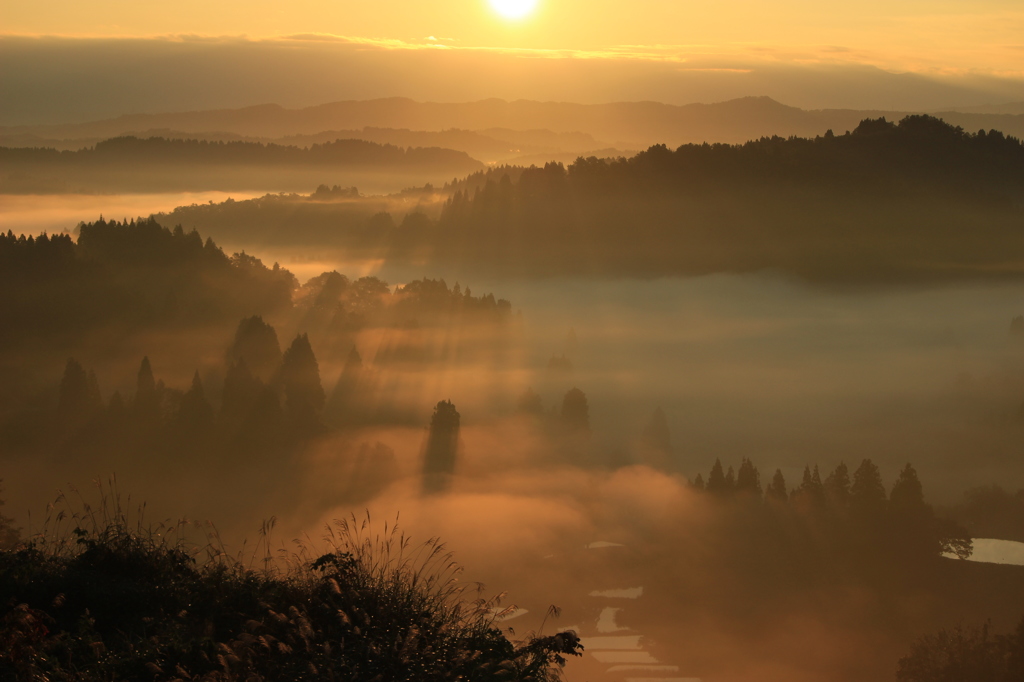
<point>738,410</point>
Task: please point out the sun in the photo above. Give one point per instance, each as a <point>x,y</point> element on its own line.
<point>513,9</point>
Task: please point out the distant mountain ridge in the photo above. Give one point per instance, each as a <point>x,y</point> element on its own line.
<point>622,124</point>
<point>493,145</point>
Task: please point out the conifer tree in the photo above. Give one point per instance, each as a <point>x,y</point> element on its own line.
<point>913,527</point>
<point>867,494</point>
<point>716,479</point>
<point>837,486</point>
<point>811,488</point>
<point>256,343</point>
<point>147,399</point>
<point>777,488</point>
<point>748,479</point>
<point>79,392</point>
<point>730,480</point>
<point>576,411</point>
<point>530,403</point>
<point>907,494</point>
<point>442,447</point>
<point>300,379</point>
<point>195,413</point>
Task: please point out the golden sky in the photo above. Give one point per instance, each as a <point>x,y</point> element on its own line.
<point>933,36</point>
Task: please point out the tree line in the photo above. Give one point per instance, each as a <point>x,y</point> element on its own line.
<point>887,200</point>
<point>133,274</point>
<point>856,505</point>
<point>138,274</point>
<point>154,151</point>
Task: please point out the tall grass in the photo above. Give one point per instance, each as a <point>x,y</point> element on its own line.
<point>99,594</point>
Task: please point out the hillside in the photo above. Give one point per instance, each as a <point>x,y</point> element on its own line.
<point>621,124</point>
<point>917,200</point>
<point>126,164</point>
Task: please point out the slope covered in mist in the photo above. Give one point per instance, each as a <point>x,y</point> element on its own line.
<point>130,164</point>
<point>915,201</point>
<point>622,124</point>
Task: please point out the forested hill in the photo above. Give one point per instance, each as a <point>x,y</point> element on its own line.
<point>909,201</point>
<point>162,150</point>
<point>138,276</point>
<point>918,149</point>
<point>633,124</point>
<point>130,276</point>
<point>917,199</point>
<point>126,164</point>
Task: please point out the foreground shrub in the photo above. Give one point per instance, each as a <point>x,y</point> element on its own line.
<point>110,602</point>
<point>965,654</point>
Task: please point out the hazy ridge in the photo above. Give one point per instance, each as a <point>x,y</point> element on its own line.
<point>917,201</point>
<point>131,164</point>
<point>622,124</point>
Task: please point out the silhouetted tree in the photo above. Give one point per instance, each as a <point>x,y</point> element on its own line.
<point>748,479</point>
<point>810,491</point>
<point>300,379</point>
<point>79,396</point>
<point>837,486</point>
<point>575,411</point>
<point>907,494</point>
<point>442,447</point>
<point>116,406</point>
<point>698,482</point>
<point>147,399</point>
<point>867,494</point>
<point>256,343</point>
<point>914,528</point>
<point>777,488</point>
<point>559,363</point>
<point>717,482</point>
<point>957,655</point>
<point>195,415</point>
<point>992,512</point>
<point>530,403</point>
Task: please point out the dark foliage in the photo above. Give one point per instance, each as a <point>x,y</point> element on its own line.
<point>442,447</point>
<point>132,164</point>
<point>131,274</point>
<point>964,654</point>
<point>159,150</point>
<point>836,523</point>
<point>9,534</point>
<point>855,206</point>
<point>120,603</point>
<point>991,512</point>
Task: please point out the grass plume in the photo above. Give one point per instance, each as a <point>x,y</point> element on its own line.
<point>99,594</point>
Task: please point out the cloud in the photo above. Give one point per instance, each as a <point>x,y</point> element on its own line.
<point>60,80</point>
